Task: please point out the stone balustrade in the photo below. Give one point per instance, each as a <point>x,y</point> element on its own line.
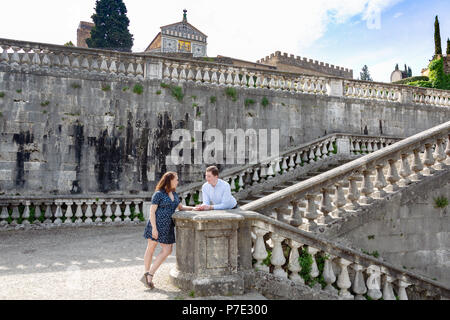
<point>225,251</point>
<point>16,212</point>
<point>250,176</point>
<point>341,191</point>
<point>21,212</point>
<point>61,60</point>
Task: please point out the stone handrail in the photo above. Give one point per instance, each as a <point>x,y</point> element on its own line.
<point>333,181</point>
<point>31,56</point>
<point>244,177</point>
<point>343,257</point>
<point>220,252</point>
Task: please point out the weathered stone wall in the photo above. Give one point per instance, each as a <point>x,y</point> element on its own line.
<point>408,231</point>
<point>81,134</point>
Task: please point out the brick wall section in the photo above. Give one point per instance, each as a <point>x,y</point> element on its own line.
<point>83,32</point>
<point>297,64</point>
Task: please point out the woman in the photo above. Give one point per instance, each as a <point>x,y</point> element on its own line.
<point>160,227</point>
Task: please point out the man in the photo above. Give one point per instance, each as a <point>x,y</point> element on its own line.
<point>216,192</point>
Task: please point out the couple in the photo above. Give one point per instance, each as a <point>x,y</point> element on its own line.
<point>160,227</point>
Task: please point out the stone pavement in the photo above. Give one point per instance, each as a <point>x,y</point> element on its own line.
<point>86,263</point>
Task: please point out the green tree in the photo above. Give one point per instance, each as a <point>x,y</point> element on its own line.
<point>448,46</point>
<point>409,72</point>
<point>437,37</point>
<point>111,26</point>
<point>69,44</point>
<point>396,67</point>
<point>365,75</point>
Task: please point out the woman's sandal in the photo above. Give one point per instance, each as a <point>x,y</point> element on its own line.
<point>144,279</point>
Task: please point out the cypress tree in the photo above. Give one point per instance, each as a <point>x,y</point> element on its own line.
<point>396,67</point>
<point>437,38</point>
<point>448,46</point>
<point>365,75</point>
<point>111,27</point>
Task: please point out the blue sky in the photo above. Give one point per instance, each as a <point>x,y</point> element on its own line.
<point>339,32</point>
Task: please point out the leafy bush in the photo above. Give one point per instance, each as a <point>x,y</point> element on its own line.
<point>265,102</point>
<point>177,92</point>
<point>158,92</point>
<point>440,202</point>
<point>412,79</point>
<point>138,88</point>
<point>231,92</point>
<point>249,102</point>
<point>437,79</point>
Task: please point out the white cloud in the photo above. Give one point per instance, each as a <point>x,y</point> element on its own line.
<point>398,14</point>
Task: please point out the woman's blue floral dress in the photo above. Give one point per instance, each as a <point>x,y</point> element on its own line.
<point>164,222</point>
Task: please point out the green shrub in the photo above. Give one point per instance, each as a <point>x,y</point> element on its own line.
<point>125,88</point>
<point>265,102</point>
<point>75,85</point>
<point>440,202</point>
<point>194,97</point>
<point>373,253</point>
<point>158,92</point>
<point>248,102</point>
<point>213,99</point>
<point>199,113</point>
<point>164,85</point>
<point>231,92</point>
<point>45,103</point>
<point>2,94</point>
<point>106,88</point>
<point>371,237</point>
<point>121,127</point>
<point>412,79</point>
<point>19,90</point>
<point>177,93</point>
<point>138,88</point>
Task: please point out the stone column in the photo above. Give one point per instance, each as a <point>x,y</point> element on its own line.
<point>207,252</point>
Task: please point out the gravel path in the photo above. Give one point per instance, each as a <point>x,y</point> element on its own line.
<point>85,263</point>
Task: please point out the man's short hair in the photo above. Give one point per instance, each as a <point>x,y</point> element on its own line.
<point>213,170</point>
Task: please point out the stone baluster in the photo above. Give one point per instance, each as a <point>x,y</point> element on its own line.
<point>229,79</point>
<point>405,171</point>
<point>26,213</point>
<point>98,212</point>
<point>314,269</point>
<point>198,76</point>
<point>190,75</point>
<point>251,81</point>
<point>417,166</point>
<point>305,157</point>
<point>127,212</point>
<point>311,155</point>
<point>291,162</point>
<point>139,70</point>
<point>328,274</point>
<point>380,182</point>
<point>324,151</point>
<point>353,194</point>
<point>69,213</point>
<point>339,201</point>
<point>118,212</point>
<point>264,83</point>
<point>259,250</point>
<point>388,292</point>
<point>277,166</point>
<point>36,60</point>
<point>278,259</point>
<point>343,281</point>
<point>373,282</point>
<point>48,215</point>
<point>295,218</point>
<point>236,81</point>
<point>369,146</point>
<point>352,148</point>
<point>88,214</point>
<point>206,78</point>
<point>137,210</point>
<point>241,181</point>
<point>311,212</point>
<point>393,176</point>
<point>79,212</point>
<point>26,62</point>
<point>108,212</point>
<point>429,160</point>
<point>272,83</point>
<point>318,154</point>
<point>16,215</point>
<point>214,79</point>
<point>183,73</point>
<point>4,215</point>
<point>104,66</point>
<point>402,285</point>
<point>439,155</point>
<point>37,212</point>
<point>166,73</point>
<point>326,207</point>
<point>270,173</point>
<point>15,60</point>
<point>263,172</point>
<point>294,265</point>
<point>130,69</point>
<point>298,159</point>
<point>367,188</point>
<point>85,67</point>
<point>359,286</point>
<point>255,177</point>
<point>113,67</point>
<point>58,212</point>
<point>4,58</point>
<point>57,64</point>
<point>222,77</point>
<point>174,74</point>
<point>284,165</point>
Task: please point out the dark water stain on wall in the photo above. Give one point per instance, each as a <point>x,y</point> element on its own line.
<point>109,161</point>
<point>142,156</point>
<point>162,144</point>
<point>78,133</point>
<point>21,139</point>
<point>129,143</point>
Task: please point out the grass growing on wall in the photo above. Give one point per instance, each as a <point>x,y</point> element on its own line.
<point>232,93</point>
<point>440,202</point>
<point>213,99</point>
<point>45,103</point>
<point>265,102</point>
<point>138,88</point>
<point>106,88</point>
<point>2,94</point>
<point>176,91</point>
<point>75,85</point>
<point>249,102</point>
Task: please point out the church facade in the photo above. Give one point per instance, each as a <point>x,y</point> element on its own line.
<point>180,37</point>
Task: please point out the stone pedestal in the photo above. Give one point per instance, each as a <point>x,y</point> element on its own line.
<point>207,253</point>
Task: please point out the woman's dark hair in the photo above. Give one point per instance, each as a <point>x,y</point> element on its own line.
<point>164,182</point>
